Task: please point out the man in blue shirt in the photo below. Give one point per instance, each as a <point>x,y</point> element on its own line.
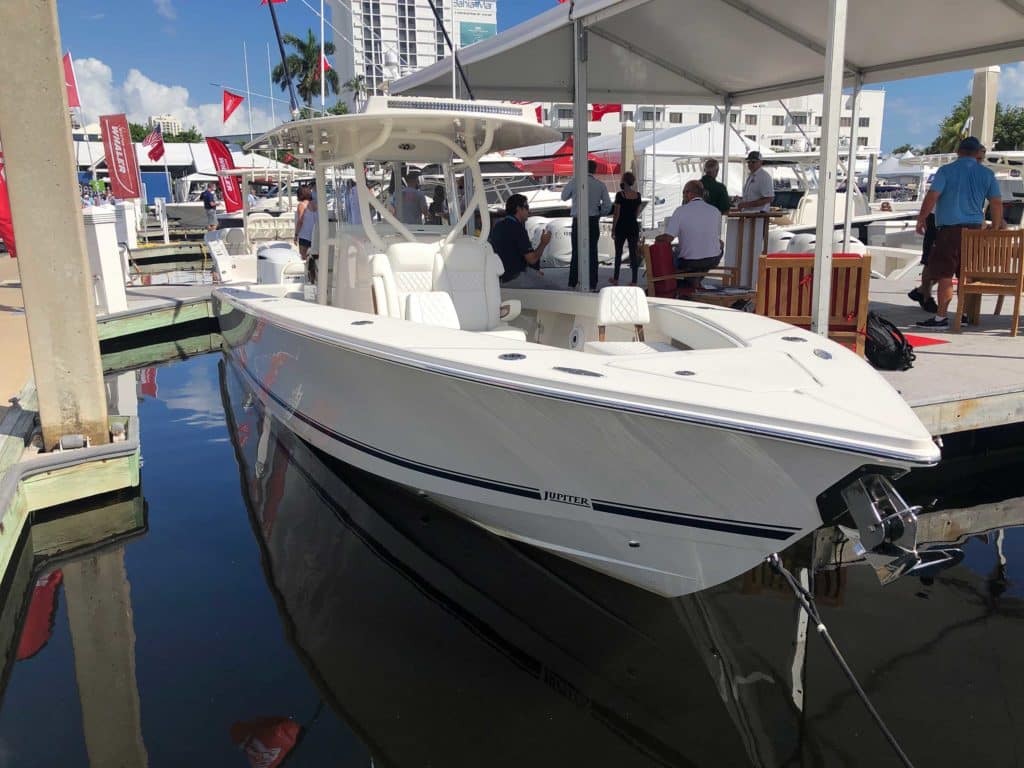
<point>511,242</point>
<point>957,196</point>
<point>599,204</point>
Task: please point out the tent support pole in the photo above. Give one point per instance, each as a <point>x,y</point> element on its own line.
<point>323,228</point>
<point>581,151</point>
<point>834,53</point>
<point>726,116</point>
<point>851,166</point>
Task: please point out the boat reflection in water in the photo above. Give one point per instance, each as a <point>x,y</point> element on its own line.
<point>441,644</point>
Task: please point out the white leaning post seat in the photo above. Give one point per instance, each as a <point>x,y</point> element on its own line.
<point>619,306</point>
<point>467,269</point>
<point>405,268</point>
<point>431,308</point>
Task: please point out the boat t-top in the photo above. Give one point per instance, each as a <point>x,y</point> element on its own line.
<point>670,444</point>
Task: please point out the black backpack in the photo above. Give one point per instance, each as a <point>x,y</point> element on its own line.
<point>886,347</point>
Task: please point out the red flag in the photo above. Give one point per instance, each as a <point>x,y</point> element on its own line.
<point>268,740</point>
<point>327,65</point>
<point>154,141</point>
<point>288,157</point>
<point>223,161</point>
<point>147,382</point>
<point>38,627</point>
<point>539,112</point>
<point>120,156</point>
<point>232,101</point>
<point>70,81</point>
<point>6,222</point>
<point>600,110</point>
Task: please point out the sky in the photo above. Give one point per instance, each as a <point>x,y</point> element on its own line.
<point>148,57</point>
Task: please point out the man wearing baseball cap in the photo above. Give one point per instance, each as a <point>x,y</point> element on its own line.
<point>759,189</point>
<point>957,196</point>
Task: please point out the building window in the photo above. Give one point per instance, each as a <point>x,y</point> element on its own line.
<point>734,116</point>
<point>750,119</point>
<point>547,115</point>
<point>704,117</point>
<point>751,136</point>
<point>778,120</point>
<point>627,116</point>
<point>862,141</point>
<point>565,113</point>
<point>799,119</point>
<point>817,121</point>
<point>675,117</point>
<point>778,143</point>
<point>845,122</point>
<point>647,115</point>
<point>864,122</point>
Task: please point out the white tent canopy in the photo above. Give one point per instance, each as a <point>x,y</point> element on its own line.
<point>705,51</point>
<point>732,52</point>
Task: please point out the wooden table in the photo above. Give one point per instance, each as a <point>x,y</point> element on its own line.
<point>719,298</point>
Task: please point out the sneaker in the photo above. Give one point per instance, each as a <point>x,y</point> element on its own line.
<point>931,322</point>
<point>927,303</point>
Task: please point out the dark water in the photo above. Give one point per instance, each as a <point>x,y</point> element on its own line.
<point>256,586</point>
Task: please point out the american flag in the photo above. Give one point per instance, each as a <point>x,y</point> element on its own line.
<point>155,142</point>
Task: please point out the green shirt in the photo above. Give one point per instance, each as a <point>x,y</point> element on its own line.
<point>716,194</point>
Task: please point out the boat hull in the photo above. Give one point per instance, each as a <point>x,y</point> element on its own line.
<point>671,506</point>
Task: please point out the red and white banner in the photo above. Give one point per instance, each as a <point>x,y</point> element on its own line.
<point>70,81</point>
<point>266,741</point>
<point>120,156</point>
<point>600,110</point>
<point>223,161</point>
<point>232,101</point>
<point>6,222</point>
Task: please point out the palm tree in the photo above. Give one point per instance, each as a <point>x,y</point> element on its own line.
<point>304,68</point>
<point>357,87</point>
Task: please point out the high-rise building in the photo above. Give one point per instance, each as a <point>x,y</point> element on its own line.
<point>382,40</point>
<point>169,124</point>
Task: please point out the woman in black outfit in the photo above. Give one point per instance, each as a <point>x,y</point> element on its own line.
<point>625,228</point>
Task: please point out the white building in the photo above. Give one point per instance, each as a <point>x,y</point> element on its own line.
<point>391,38</point>
<point>793,125</point>
<point>169,124</point>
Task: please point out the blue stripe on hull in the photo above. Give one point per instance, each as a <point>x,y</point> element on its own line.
<point>742,528</point>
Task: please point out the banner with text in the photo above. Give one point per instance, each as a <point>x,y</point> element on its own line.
<point>6,221</point>
<point>120,156</point>
<point>223,161</point>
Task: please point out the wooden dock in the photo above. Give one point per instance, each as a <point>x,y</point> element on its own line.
<point>968,381</point>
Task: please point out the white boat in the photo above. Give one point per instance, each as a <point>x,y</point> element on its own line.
<point>673,448</point>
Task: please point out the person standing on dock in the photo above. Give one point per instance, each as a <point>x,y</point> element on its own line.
<point>600,203</point>
<point>759,189</point>
<point>209,198</point>
<point>957,196</point>
<point>715,192</point>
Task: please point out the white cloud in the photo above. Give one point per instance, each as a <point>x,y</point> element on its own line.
<point>141,97</point>
<point>166,9</point>
<point>1011,84</point>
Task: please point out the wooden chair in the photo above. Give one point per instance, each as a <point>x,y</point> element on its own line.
<point>991,261</point>
<point>785,292</point>
<point>663,280</point>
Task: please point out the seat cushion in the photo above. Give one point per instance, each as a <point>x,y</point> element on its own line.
<point>508,332</point>
<point>431,308</point>
<point>627,347</point>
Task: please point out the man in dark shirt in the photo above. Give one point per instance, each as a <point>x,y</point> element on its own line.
<point>715,193</point>
<point>511,242</point>
<point>209,198</point>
